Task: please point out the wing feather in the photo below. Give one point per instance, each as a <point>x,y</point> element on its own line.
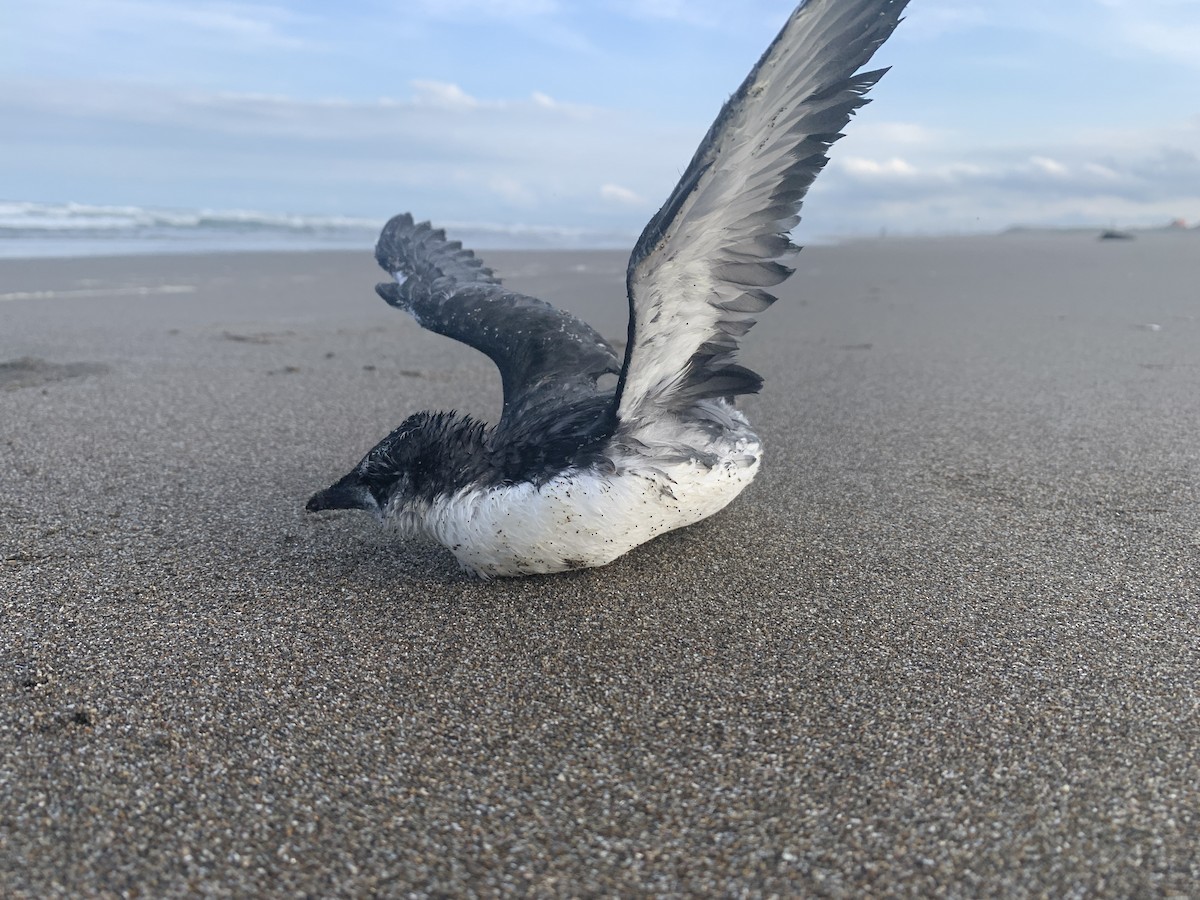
<point>547,358</point>
<point>702,265</point>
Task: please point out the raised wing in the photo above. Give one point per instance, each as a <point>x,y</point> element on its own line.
<point>702,266</point>
<point>547,358</point>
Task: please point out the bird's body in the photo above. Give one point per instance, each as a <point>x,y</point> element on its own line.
<point>586,516</point>
<point>574,476</point>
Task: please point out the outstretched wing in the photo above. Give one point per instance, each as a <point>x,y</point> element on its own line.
<point>547,358</point>
<point>704,263</point>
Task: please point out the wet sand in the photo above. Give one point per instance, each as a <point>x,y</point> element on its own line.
<point>948,643</point>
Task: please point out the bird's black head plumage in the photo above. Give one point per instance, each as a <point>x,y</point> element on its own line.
<point>429,454</point>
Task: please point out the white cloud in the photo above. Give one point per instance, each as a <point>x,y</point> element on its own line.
<point>442,94</point>
<point>1153,30</point>
<point>1172,39</point>
<point>217,101</point>
<point>621,195</point>
<point>1048,165</point>
<point>448,154</point>
<point>870,168</point>
<point>1100,171</point>
<point>990,188</point>
<point>545,101</point>
<point>250,25</point>
<point>454,155</point>
<point>449,96</point>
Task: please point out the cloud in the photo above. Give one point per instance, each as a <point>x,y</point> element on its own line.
<point>575,110</point>
<point>442,94</point>
<point>992,188</point>
<point>1167,39</point>
<point>1160,175</point>
<point>251,24</point>
<point>1100,171</point>
<point>621,195</point>
<point>218,99</point>
<point>449,96</point>
<point>1163,29</point>
<point>1048,165</point>
<point>1153,30</point>
<point>453,156</point>
<point>437,108</point>
<point>869,168</point>
<point>456,156</point>
<point>246,25</point>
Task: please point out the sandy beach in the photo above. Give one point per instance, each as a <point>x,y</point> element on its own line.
<point>947,644</point>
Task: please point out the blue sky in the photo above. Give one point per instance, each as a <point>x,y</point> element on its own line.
<point>582,113</point>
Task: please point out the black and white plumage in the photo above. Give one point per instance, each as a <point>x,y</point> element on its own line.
<point>573,475</point>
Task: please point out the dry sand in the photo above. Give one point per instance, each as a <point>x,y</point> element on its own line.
<point>948,643</point>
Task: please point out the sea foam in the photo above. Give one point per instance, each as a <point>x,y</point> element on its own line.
<point>30,229</point>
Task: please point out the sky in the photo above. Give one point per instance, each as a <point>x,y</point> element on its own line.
<point>582,114</point>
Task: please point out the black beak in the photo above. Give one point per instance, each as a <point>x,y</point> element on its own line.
<point>339,496</point>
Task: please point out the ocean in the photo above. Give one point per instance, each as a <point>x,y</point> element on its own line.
<point>30,230</point>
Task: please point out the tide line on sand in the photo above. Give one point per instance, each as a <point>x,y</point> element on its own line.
<point>126,291</point>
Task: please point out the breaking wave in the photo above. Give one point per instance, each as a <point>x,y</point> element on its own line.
<point>30,229</point>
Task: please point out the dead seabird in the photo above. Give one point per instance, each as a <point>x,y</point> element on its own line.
<point>574,475</point>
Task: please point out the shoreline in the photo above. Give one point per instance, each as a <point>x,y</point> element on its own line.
<point>201,248</point>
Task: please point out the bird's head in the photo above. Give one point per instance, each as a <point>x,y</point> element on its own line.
<point>411,463</point>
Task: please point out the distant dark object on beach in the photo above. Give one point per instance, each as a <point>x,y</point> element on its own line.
<point>1111,235</point>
